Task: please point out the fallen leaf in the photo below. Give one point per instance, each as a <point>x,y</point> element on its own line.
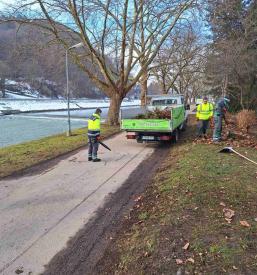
<point>228,220</point>
<point>228,213</point>
<point>179,261</point>
<point>235,268</point>
<point>255,219</point>
<point>185,247</point>
<point>222,204</point>
<point>138,198</point>
<point>191,260</point>
<point>245,223</point>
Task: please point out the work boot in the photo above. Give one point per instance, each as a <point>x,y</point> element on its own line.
<point>96,160</point>
<point>89,158</point>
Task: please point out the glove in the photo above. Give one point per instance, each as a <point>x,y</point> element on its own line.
<point>197,119</point>
<point>98,138</point>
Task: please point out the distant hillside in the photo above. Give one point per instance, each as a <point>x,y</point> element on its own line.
<point>40,88</point>
<point>28,56</point>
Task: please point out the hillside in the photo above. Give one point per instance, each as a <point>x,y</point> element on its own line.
<point>22,90</point>
<point>27,56</point>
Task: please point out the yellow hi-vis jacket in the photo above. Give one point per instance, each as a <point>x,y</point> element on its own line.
<point>94,125</point>
<point>204,111</point>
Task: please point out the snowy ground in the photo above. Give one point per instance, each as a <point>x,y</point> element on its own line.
<point>48,104</point>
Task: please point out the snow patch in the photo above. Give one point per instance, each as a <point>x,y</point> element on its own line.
<point>48,104</point>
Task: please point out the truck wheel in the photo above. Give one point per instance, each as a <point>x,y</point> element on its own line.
<point>175,136</point>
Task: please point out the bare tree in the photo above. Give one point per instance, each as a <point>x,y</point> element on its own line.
<point>231,67</point>
<point>177,63</point>
<point>111,32</point>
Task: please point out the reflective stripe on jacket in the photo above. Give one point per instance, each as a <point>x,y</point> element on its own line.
<point>204,111</point>
<point>94,125</point>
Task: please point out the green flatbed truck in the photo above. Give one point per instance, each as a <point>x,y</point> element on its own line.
<point>152,130</point>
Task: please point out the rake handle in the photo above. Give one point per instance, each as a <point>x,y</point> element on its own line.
<point>242,156</point>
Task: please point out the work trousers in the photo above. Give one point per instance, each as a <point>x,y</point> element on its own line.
<point>202,127</point>
<point>217,127</point>
<point>93,145</point>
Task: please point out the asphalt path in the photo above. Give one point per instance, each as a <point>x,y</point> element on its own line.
<point>41,211</point>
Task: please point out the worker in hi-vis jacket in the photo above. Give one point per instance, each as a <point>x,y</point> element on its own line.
<point>204,114</point>
<point>94,123</point>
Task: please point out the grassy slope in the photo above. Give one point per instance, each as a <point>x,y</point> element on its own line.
<point>185,205</point>
<point>18,157</point>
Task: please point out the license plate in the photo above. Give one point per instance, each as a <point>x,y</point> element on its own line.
<point>148,138</point>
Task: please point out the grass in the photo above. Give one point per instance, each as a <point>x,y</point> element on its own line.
<point>185,205</point>
<point>19,157</point>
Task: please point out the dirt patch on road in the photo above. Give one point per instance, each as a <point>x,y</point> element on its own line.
<point>84,251</point>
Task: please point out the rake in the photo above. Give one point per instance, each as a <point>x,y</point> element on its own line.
<point>231,150</point>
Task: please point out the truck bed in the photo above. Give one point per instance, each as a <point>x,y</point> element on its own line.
<point>147,125</point>
<point>130,124</point>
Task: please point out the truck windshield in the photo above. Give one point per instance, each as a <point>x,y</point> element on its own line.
<point>164,102</point>
<point>159,103</point>
<point>171,101</point>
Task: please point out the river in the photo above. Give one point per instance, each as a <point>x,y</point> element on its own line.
<point>31,126</point>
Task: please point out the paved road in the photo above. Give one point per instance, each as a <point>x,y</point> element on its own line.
<point>40,212</point>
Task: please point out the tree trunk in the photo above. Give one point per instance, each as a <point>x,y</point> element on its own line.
<point>241,98</point>
<point>163,84</point>
<point>114,110</point>
<point>187,101</point>
<point>2,86</point>
<point>224,85</point>
<point>143,85</point>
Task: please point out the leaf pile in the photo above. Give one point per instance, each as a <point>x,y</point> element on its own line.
<point>234,135</point>
<point>246,119</point>
<point>156,114</point>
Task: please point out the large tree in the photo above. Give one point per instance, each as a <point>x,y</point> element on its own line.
<point>232,62</point>
<point>120,38</point>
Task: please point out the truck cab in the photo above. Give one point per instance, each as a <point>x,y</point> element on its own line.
<point>166,101</point>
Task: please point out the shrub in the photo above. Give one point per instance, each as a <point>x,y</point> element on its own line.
<point>245,119</point>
